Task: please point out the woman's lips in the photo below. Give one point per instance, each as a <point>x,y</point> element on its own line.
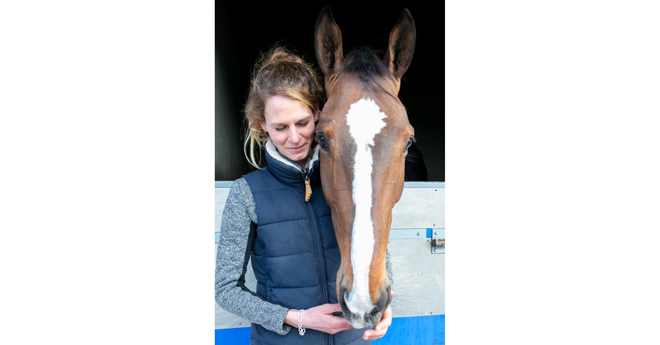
<point>297,148</point>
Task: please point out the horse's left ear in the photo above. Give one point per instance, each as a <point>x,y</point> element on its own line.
<point>401,45</point>
<point>328,43</point>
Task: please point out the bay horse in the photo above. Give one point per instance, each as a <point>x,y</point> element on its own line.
<point>364,135</point>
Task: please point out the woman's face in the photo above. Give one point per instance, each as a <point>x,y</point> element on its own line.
<point>290,125</point>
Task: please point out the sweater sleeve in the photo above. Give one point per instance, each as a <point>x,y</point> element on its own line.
<point>237,232</point>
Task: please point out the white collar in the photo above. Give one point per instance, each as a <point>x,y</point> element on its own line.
<point>272,151</point>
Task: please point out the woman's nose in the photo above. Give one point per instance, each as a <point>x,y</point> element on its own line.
<point>294,136</point>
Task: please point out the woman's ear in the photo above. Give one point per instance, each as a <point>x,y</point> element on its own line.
<point>316,114</point>
<point>263,124</point>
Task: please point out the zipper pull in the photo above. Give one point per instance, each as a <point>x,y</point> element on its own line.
<point>308,189</point>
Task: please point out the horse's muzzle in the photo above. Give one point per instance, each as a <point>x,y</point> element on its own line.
<point>364,318</point>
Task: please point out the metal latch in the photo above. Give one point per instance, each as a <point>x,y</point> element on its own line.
<point>434,235</point>
<point>438,241</point>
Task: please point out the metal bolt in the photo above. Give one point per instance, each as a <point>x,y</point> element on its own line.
<point>437,243</point>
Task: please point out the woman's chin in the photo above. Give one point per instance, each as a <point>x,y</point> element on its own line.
<point>298,156</point>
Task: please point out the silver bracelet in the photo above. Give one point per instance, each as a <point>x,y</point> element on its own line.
<point>301,330</point>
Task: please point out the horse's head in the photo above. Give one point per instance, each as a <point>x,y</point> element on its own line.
<point>364,135</point>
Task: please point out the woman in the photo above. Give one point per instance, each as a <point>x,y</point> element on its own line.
<point>278,217</point>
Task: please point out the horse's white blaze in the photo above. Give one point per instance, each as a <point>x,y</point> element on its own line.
<point>365,121</point>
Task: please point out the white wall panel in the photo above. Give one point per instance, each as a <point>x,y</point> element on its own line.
<point>419,275</point>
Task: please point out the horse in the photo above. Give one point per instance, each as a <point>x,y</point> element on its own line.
<point>364,135</point>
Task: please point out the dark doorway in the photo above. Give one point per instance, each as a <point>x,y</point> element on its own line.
<point>244,29</point>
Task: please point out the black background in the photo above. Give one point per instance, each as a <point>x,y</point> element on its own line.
<point>245,29</point>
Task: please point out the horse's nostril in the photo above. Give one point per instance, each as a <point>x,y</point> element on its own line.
<point>384,299</point>
<point>342,301</point>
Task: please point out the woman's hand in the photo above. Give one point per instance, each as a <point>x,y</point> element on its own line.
<point>381,328</point>
<point>319,318</point>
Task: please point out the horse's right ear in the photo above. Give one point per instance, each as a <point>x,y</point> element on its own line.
<point>327,43</point>
<point>401,45</point>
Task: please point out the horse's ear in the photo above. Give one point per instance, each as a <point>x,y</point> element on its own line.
<point>401,45</point>
<point>327,43</point>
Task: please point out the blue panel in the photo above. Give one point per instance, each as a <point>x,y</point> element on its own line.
<point>415,330</point>
<point>415,184</point>
<point>399,234</point>
<point>223,184</point>
<point>232,336</point>
<point>217,237</point>
<point>404,330</point>
<point>423,184</point>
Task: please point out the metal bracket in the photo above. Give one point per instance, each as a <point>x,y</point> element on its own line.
<point>400,234</point>
<point>438,241</point>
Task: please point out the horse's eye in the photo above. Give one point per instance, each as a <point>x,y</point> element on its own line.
<point>410,141</point>
<point>321,139</point>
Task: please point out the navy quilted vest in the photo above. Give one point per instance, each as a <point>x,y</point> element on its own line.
<point>295,255</point>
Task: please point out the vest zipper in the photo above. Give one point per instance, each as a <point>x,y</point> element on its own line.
<point>319,245</point>
<point>318,242</point>
<point>320,262</point>
<point>308,187</point>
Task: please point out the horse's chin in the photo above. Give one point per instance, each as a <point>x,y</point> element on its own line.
<point>358,323</point>
<point>362,321</point>
<point>364,314</point>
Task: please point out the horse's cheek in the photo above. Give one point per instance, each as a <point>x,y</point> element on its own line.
<point>397,183</point>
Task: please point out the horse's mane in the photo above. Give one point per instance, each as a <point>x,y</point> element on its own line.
<point>364,63</point>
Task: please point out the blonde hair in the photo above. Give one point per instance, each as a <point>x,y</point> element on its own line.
<point>281,73</point>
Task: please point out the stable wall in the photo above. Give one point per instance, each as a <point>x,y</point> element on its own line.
<point>419,270</point>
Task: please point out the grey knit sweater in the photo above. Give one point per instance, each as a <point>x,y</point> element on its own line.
<point>239,223</point>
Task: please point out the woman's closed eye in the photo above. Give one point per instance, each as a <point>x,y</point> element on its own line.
<point>300,124</point>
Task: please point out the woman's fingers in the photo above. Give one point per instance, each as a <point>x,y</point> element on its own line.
<point>333,308</point>
<point>340,322</point>
<point>381,328</point>
<point>375,333</point>
<point>386,321</point>
<point>372,334</point>
<point>321,319</point>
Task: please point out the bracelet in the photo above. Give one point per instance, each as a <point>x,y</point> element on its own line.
<point>301,330</point>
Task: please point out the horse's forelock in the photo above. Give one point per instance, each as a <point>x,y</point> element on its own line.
<point>365,64</point>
